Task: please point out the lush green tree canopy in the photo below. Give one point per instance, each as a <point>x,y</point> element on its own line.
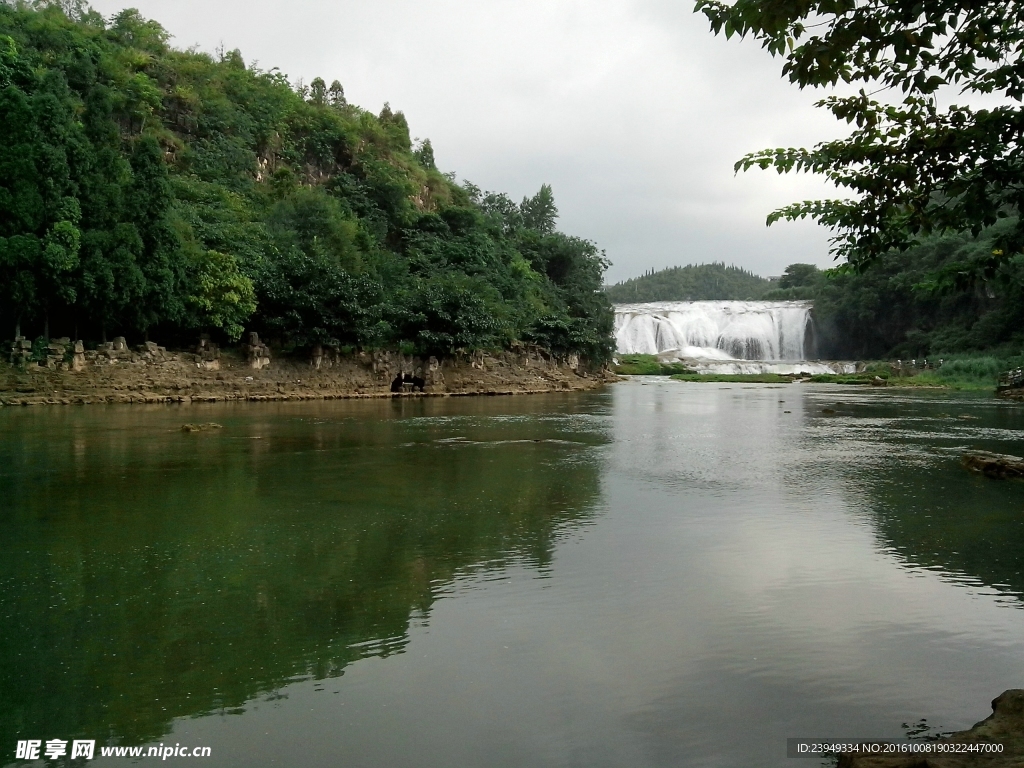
<point>145,189</point>
<point>694,282</point>
<point>539,212</point>
<point>918,165</point>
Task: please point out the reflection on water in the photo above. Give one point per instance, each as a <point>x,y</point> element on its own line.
<point>925,507</point>
<point>149,574</point>
<point>659,574</point>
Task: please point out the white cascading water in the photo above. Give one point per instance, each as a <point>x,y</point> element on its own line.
<point>723,336</point>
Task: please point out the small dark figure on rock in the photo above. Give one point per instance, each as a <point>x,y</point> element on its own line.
<point>416,381</point>
<point>396,385</point>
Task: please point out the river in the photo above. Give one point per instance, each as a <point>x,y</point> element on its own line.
<point>655,574</point>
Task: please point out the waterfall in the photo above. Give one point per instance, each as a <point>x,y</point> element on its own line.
<point>775,336</point>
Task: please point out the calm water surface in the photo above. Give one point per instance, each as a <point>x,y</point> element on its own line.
<point>659,574</point>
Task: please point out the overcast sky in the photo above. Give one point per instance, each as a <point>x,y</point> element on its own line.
<point>631,109</point>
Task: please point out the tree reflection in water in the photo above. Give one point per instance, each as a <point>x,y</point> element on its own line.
<point>148,574</point>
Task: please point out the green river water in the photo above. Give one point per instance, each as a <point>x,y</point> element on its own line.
<point>655,574</point>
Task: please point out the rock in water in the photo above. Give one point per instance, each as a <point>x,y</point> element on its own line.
<point>994,464</point>
<point>1004,726</point>
<point>201,427</point>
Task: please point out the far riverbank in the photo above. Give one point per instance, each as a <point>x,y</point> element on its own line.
<point>980,373</point>
<point>154,375</point>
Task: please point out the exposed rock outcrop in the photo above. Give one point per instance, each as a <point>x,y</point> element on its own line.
<point>201,427</point>
<point>1004,726</point>
<point>207,355</point>
<point>998,465</point>
<point>1011,384</point>
<point>113,373</point>
<point>21,350</point>
<point>58,355</point>
<point>258,353</point>
<point>78,357</point>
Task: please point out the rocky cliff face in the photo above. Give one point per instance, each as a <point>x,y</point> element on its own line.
<point>151,374</point>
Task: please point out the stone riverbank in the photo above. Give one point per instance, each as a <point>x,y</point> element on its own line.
<point>151,374</point>
<point>1005,727</point>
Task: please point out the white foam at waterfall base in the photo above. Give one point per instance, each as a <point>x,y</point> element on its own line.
<point>724,336</point>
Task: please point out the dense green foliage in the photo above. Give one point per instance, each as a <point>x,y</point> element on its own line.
<point>694,282</point>
<point>798,282</point>
<point>148,190</point>
<point>912,168</point>
<point>897,310</point>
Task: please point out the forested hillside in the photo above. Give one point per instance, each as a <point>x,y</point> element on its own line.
<point>146,190</point>
<point>927,301</point>
<point>915,303</point>
<point>694,282</point>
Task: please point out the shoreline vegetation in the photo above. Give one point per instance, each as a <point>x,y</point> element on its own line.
<point>958,373</point>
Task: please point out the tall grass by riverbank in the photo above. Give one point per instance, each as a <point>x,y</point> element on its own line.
<point>964,372</point>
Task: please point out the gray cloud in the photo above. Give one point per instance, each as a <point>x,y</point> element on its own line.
<point>630,109</point>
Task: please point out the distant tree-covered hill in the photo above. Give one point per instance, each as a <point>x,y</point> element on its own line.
<point>150,190</point>
<point>694,282</point>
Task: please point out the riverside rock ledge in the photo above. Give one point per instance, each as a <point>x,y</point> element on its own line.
<point>999,465</point>
<point>1004,726</point>
<point>218,375</point>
